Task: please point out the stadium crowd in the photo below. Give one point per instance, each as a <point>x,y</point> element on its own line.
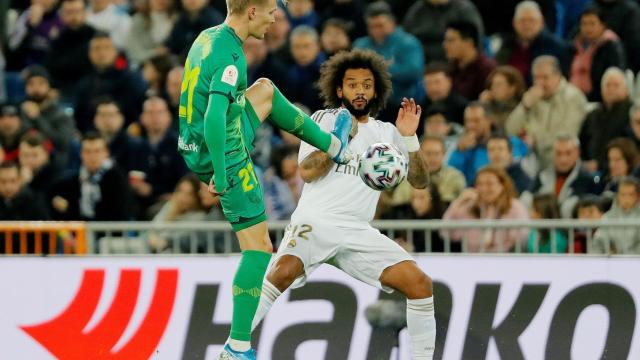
<point>528,109</point>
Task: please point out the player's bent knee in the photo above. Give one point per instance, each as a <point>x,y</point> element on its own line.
<point>265,85</point>
<point>285,271</point>
<point>421,287</point>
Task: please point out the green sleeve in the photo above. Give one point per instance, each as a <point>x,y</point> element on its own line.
<point>215,137</point>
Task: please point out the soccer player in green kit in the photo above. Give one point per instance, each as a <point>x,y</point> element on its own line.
<point>218,120</point>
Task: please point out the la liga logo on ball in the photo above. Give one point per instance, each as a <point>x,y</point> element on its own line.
<point>383,166</point>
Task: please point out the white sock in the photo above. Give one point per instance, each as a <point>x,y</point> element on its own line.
<point>269,295</point>
<point>421,323</point>
<point>240,346</point>
<point>334,147</point>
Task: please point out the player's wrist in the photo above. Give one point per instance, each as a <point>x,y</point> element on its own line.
<point>411,142</point>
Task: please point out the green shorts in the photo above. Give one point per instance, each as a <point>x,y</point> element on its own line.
<point>243,202</point>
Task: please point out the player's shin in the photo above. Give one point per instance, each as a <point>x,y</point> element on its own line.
<point>269,295</point>
<point>291,119</point>
<point>421,324</point>
<point>247,285</point>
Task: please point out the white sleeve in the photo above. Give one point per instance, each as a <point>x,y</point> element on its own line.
<point>326,119</point>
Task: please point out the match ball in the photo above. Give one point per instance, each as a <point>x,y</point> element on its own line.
<point>383,166</point>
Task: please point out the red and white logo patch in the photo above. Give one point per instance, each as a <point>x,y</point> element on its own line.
<point>230,75</point>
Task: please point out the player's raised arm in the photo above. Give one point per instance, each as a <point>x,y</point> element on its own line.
<point>215,137</point>
<point>407,124</point>
<point>315,166</point>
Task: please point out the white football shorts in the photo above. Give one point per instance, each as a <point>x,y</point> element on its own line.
<point>360,251</point>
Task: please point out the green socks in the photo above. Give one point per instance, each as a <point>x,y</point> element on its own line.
<point>247,286</point>
<point>289,118</point>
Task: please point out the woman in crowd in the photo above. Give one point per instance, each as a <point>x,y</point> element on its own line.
<point>150,27</point>
<point>623,159</point>
<point>492,198</point>
<point>505,86</point>
<point>545,206</point>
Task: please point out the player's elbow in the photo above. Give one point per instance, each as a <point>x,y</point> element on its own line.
<point>308,175</point>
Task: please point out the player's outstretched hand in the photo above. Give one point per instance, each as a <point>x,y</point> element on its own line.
<point>212,189</point>
<point>408,117</point>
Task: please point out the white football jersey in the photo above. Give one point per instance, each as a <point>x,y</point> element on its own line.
<point>341,196</point>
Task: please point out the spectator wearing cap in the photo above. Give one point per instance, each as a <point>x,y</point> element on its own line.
<point>31,38</point>
<point>107,79</point>
<point>18,202</point>
<point>42,112</point>
<point>104,15</point>
<point>438,87</point>
<point>11,130</point>
<point>401,49</point>
<point>37,172</point>
<point>470,67</point>
<point>68,61</point>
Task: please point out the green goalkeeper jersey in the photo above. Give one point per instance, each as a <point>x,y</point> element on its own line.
<point>215,64</point>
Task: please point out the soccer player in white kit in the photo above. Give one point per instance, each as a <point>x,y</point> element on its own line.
<point>331,222</point>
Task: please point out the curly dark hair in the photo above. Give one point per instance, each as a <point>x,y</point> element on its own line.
<point>333,70</point>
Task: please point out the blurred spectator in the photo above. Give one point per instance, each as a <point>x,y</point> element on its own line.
<point>449,181</point>
<point>597,49</point>
<point>545,206</point>
<point>302,12</point>
<point>471,151</point>
<point>589,207</point>
<point>530,41</point>
<point>31,38</point>
<point>607,121</point>
<point>492,198</point>
<point>173,91</point>
<point>500,150</point>
<point>11,130</point>
<point>566,178</point>
<point>68,61</point>
<point>335,36</point>
<point>165,165</point>
<point>425,204</point>
<point>623,17</point>
<point>282,183</point>
<point>155,71</point>
<point>105,16</point>
<point>470,67</point>
<point>107,79</point>
<point>438,88</point>
<point>129,153</point>
<point>18,202</point>
<point>351,11</point>
<point>505,87</point>
<point>262,64</point>
<point>1,154</point>
<point>149,29</point>
<point>498,14</point>
<point>634,124</point>
<point>623,160</point>
<point>185,205</point>
<point>551,106</point>
<point>437,125</point>
<point>195,17</point>
<point>621,240</point>
<point>428,19</point>
<point>401,49</point>
<point>277,37</point>
<point>36,170</point>
<point>98,192</point>
<point>307,56</point>
<point>42,112</point>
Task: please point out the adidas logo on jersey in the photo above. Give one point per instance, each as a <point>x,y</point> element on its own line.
<point>187,147</point>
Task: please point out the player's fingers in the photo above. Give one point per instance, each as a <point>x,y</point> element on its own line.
<point>419,110</point>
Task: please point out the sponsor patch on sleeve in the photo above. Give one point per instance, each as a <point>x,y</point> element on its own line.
<point>230,75</point>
